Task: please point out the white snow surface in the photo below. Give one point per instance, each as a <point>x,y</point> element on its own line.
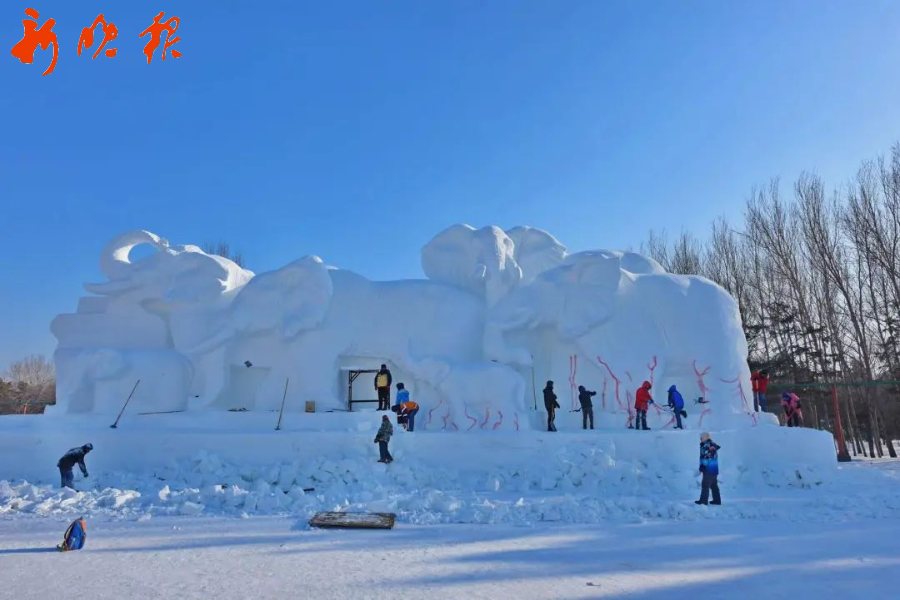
<point>791,553</point>
<point>513,478</point>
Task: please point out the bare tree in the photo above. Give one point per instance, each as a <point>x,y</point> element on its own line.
<point>684,257</point>
<point>31,380</point>
<point>223,249</point>
<point>817,281</point>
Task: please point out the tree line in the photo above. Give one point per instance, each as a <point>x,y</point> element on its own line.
<point>28,386</point>
<point>816,276</point>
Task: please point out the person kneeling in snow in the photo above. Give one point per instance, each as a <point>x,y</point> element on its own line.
<point>709,466</point>
<point>73,457</point>
<point>587,406</point>
<point>383,437</point>
<point>642,402</point>
<point>406,409</point>
<point>676,403</point>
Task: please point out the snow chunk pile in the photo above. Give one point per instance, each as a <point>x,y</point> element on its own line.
<point>575,485</point>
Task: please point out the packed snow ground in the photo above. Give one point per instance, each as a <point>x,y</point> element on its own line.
<point>575,484</point>
<point>580,522</point>
<point>275,557</point>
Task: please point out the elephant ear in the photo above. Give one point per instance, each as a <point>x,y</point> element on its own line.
<point>586,285</point>
<point>536,251</point>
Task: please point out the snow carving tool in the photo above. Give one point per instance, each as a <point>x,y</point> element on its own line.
<point>121,412</point>
<point>286,381</point>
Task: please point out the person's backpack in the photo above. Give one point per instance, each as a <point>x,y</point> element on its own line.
<point>75,536</point>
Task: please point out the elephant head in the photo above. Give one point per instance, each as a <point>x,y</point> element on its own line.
<point>479,260</point>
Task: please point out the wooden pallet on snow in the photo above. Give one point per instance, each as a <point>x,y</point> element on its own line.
<point>351,520</point>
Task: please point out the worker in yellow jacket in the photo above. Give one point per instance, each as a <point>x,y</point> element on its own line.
<point>383,381</point>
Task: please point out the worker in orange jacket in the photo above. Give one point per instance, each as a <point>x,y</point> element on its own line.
<point>406,409</point>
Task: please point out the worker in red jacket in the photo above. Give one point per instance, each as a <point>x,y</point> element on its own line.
<point>642,401</point>
<point>760,384</point>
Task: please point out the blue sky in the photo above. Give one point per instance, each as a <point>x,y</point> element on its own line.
<point>358,130</point>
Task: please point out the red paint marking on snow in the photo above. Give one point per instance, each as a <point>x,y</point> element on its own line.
<point>700,383</point>
<point>444,419</point>
<point>470,417</point>
<point>455,428</point>
<point>631,413</point>
<point>618,384</point>
<point>652,366</point>
<point>487,415</point>
<point>517,421</point>
<point>432,410</point>
<point>498,423</point>
<point>703,390</point>
<point>630,378</point>
<point>573,372</point>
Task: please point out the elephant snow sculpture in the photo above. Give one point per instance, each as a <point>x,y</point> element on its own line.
<point>135,325</point>
<point>610,320</point>
<point>305,321</point>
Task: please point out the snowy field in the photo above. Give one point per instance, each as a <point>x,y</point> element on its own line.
<point>833,539</point>
<point>275,557</point>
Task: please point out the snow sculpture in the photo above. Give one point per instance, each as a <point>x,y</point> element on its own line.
<point>479,260</point>
<point>128,332</point>
<point>498,309</point>
<point>611,320</point>
<point>535,251</point>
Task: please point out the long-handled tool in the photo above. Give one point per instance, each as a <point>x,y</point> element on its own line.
<point>116,424</point>
<point>278,427</point>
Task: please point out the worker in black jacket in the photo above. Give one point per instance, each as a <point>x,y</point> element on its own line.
<point>73,457</point>
<point>551,405</point>
<point>587,406</point>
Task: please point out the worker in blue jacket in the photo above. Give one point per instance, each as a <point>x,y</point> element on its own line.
<point>676,403</point>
